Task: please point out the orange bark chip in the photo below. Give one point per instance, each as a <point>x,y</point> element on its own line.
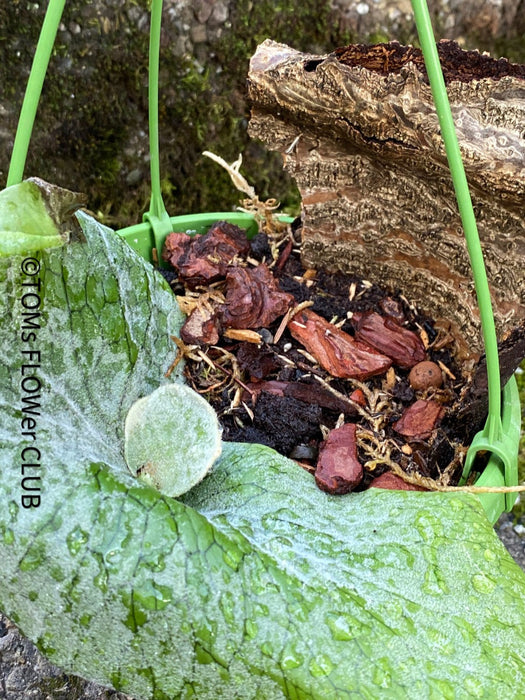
<point>336,351</point>
<point>419,420</point>
<point>338,469</point>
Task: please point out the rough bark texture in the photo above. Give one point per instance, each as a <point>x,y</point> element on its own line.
<point>359,133</point>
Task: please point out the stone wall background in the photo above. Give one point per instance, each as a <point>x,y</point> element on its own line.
<point>91,131</point>
<point>91,135</point>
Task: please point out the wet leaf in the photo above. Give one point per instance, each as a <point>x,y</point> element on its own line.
<point>35,215</point>
<point>254,584</point>
<point>172,438</point>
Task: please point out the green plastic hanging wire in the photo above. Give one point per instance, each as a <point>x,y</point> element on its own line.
<point>33,90</point>
<point>491,438</point>
<point>157,215</point>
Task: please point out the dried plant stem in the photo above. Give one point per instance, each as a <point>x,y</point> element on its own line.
<point>486,489</point>
<point>342,397</point>
<point>288,317</point>
<point>432,485</point>
<point>233,171</point>
<point>230,374</point>
<point>181,351</point>
<point>262,211</point>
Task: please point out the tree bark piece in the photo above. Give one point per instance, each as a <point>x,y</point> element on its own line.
<point>419,420</point>
<point>359,133</point>
<point>338,468</point>
<point>308,393</point>
<point>253,299</point>
<point>385,335</point>
<point>200,328</point>
<point>203,259</point>
<point>336,351</point>
<point>391,481</point>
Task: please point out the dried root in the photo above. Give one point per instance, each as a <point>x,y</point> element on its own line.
<point>262,211</point>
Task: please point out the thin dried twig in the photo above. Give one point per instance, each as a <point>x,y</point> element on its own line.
<point>243,334</point>
<point>263,211</point>
<point>233,171</point>
<point>432,485</point>
<point>232,375</point>
<point>288,317</point>
<point>183,350</point>
<point>343,398</point>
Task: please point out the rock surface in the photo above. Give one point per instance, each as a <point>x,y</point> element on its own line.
<point>26,675</point>
<point>93,111</point>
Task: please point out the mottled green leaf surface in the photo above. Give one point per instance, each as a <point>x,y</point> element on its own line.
<point>255,584</point>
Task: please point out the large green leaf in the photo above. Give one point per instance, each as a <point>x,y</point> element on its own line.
<point>255,584</point>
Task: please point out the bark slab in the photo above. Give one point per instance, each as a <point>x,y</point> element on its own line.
<point>358,131</point>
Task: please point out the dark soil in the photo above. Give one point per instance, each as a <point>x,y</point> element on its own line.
<point>296,423</point>
<point>456,63</point>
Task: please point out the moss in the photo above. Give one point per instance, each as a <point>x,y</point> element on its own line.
<point>512,48</point>
<point>94,105</point>
<point>306,26</point>
<point>226,114</point>
<point>80,129</point>
<point>93,110</point>
<point>64,687</point>
<point>378,38</point>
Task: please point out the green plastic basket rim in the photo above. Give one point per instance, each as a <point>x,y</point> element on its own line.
<point>142,239</point>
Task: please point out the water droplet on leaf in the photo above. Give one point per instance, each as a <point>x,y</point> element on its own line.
<point>320,666</point>
<point>291,658</point>
<point>483,583</point>
<point>251,628</point>
<point>76,539</point>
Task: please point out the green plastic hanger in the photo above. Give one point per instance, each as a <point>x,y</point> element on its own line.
<point>157,215</point>
<point>492,438</point>
<point>41,58</point>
